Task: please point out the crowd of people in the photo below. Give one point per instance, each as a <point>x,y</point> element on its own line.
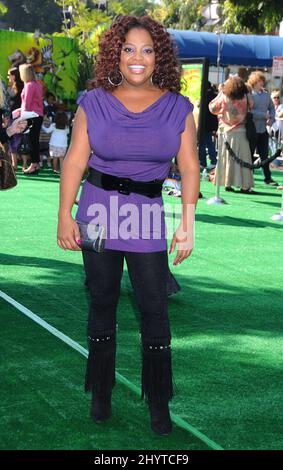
<point>224,114</point>
<point>235,99</point>
<point>46,134</point>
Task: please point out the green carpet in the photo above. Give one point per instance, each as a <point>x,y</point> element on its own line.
<point>226,326</point>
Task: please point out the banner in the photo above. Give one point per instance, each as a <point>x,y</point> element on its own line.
<point>191,85</point>
<point>277,67</point>
<point>54,59</point>
<point>194,85</point>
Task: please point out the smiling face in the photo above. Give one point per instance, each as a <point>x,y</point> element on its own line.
<point>276,99</point>
<point>137,60</point>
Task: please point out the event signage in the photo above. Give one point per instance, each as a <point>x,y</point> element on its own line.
<point>277,67</point>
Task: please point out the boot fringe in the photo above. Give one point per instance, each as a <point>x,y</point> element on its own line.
<point>157,382</point>
<point>173,287</point>
<point>100,371</point>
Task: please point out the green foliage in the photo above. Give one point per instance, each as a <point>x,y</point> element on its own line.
<point>29,15</point>
<point>3,9</point>
<point>129,7</point>
<point>179,14</point>
<point>251,16</point>
<point>88,25</point>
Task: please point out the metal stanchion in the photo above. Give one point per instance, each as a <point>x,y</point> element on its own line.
<point>279,216</point>
<point>217,199</point>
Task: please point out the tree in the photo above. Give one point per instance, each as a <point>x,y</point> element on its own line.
<point>180,14</point>
<point>29,15</point>
<point>252,16</point>
<point>86,27</point>
<point>129,7</point>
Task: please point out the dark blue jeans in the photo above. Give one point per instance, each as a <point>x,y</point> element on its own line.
<point>206,142</point>
<point>148,273</point>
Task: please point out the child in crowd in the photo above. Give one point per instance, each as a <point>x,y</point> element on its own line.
<point>59,139</point>
<point>44,139</point>
<point>50,102</point>
<point>172,184</point>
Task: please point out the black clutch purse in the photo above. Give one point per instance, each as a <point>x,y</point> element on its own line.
<point>92,236</point>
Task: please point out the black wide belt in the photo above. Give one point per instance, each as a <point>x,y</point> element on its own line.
<point>124,185</point>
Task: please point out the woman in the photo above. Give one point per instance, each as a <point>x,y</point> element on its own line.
<point>131,125</point>
<point>15,89</point>
<point>2,104</point>
<point>231,106</point>
<point>277,126</point>
<point>32,100</point>
<point>15,128</point>
<point>276,130</point>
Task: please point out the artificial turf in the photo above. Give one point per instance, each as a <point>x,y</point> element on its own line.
<point>226,325</point>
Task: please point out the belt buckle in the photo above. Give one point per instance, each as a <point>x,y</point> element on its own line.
<point>124,186</point>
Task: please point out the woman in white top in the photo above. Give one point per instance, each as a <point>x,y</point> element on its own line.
<point>278,125</point>
<point>276,130</point>
<point>58,143</point>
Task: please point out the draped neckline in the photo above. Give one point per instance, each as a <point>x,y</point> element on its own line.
<point>118,104</point>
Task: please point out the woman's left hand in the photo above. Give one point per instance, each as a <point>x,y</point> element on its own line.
<point>184,242</point>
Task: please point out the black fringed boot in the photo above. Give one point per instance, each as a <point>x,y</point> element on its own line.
<point>100,375</point>
<point>173,287</point>
<point>157,385</point>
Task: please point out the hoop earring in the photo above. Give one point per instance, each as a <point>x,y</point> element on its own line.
<point>116,84</point>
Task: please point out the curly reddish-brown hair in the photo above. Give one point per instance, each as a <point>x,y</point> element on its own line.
<point>167,71</point>
<point>255,77</point>
<point>235,88</point>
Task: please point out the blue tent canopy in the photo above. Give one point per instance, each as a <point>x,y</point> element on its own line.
<point>236,49</point>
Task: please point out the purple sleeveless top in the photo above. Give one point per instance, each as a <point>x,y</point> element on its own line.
<point>139,146</point>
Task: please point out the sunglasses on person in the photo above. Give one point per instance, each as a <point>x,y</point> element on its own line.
<point>276,97</point>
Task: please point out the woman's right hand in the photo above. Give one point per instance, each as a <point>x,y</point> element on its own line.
<point>17,127</point>
<point>68,234</point>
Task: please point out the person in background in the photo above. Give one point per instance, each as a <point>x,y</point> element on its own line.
<point>263,115</point>
<point>32,100</point>
<point>44,139</point>
<point>58,143</point>
<point>8,132</point>
<point>16,86</point>
<point>278,124</point>
<point>276,130</point>
<point>210,126</point>
<point>3,104</point>
<point>88,87</point>
<point>50,103</point>
<point>231,105</point>
<point>4,98</point>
